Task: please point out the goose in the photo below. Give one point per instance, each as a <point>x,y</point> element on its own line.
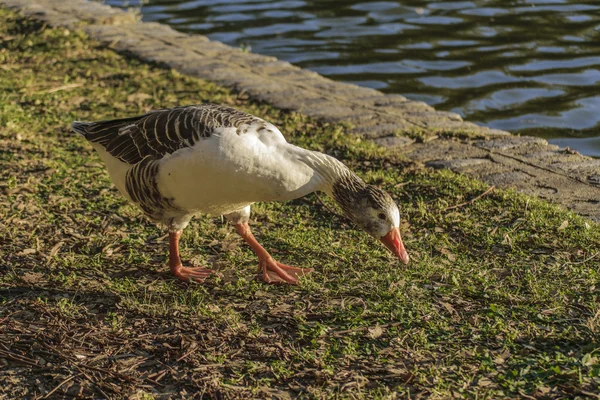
<point>212,159</point>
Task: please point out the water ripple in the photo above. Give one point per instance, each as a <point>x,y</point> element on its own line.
<point>530,66</point>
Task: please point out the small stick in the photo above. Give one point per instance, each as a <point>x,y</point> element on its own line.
<point>589,394</point>
<point>59,88</point>
<point>186,354</point>
<point>473,200</point>
<point>18,357</point>
<point>60,384</point>
<point>584,261</point>
<point>363,329</point>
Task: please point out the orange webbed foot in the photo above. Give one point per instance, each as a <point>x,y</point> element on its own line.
<point>276,273</point>
<point>191,274</point>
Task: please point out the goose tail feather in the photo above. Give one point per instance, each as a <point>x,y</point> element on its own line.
<point>81,127</point>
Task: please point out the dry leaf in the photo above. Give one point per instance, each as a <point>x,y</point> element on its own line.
<point>280,309</point>
<point>501,358</point>
<point>448,307</point>
<point>483,382</point>
<point>138,97</point>
<point>55,248</point>
<point>563,226</point>
<point>76,100</point>
<point>448,254</point>
<point>27,252</point>
<point>229,246</point>
<point>375,332</point>
<point>32,277</point>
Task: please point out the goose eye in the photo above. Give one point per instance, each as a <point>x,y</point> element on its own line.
<point>381,216</point>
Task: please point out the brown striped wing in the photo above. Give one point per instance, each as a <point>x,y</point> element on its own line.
<point>164,131</point>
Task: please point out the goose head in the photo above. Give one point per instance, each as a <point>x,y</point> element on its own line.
<point>373,210</point>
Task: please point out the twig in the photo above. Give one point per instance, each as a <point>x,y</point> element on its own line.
<point>583,261</point>
<point>17,357</point>
<point>79,365</point>
<point>206,366</point>
<point>59,385</point>
<point>157,376</point>
<point>588,394</point>
<point>526,395</point>
<point>59,88</point>
<point>363,329</point>
<point>94,382</point>
<point>187,354</point>
<point>7,317</point>
<point>473,200</point>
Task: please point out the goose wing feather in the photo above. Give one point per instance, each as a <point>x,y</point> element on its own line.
<point>162,132</point>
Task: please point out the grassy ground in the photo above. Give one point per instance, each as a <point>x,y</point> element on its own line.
<point>500,298</point>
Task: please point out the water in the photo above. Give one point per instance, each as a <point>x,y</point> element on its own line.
<point>526,66</point>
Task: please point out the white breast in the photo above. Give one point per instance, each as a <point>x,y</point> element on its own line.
<point>228,171</point>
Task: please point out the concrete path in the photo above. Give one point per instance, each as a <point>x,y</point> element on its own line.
<point>414,129</point>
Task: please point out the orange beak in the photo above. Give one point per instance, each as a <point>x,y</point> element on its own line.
<point>393,241</point>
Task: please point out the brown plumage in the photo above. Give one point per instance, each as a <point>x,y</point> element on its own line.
<point>161,132</point>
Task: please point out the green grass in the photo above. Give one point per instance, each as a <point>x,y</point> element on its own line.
<point>500,299</point>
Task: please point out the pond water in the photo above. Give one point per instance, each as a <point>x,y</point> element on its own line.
<point>526,66</point>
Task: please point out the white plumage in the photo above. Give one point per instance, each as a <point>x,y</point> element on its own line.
<point>228,171</point>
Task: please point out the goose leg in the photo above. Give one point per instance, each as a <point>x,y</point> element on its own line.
<point>271,271</point>
<point>186,274</point>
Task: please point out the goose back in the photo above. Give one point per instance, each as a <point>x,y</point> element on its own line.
<point>162,132</point>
